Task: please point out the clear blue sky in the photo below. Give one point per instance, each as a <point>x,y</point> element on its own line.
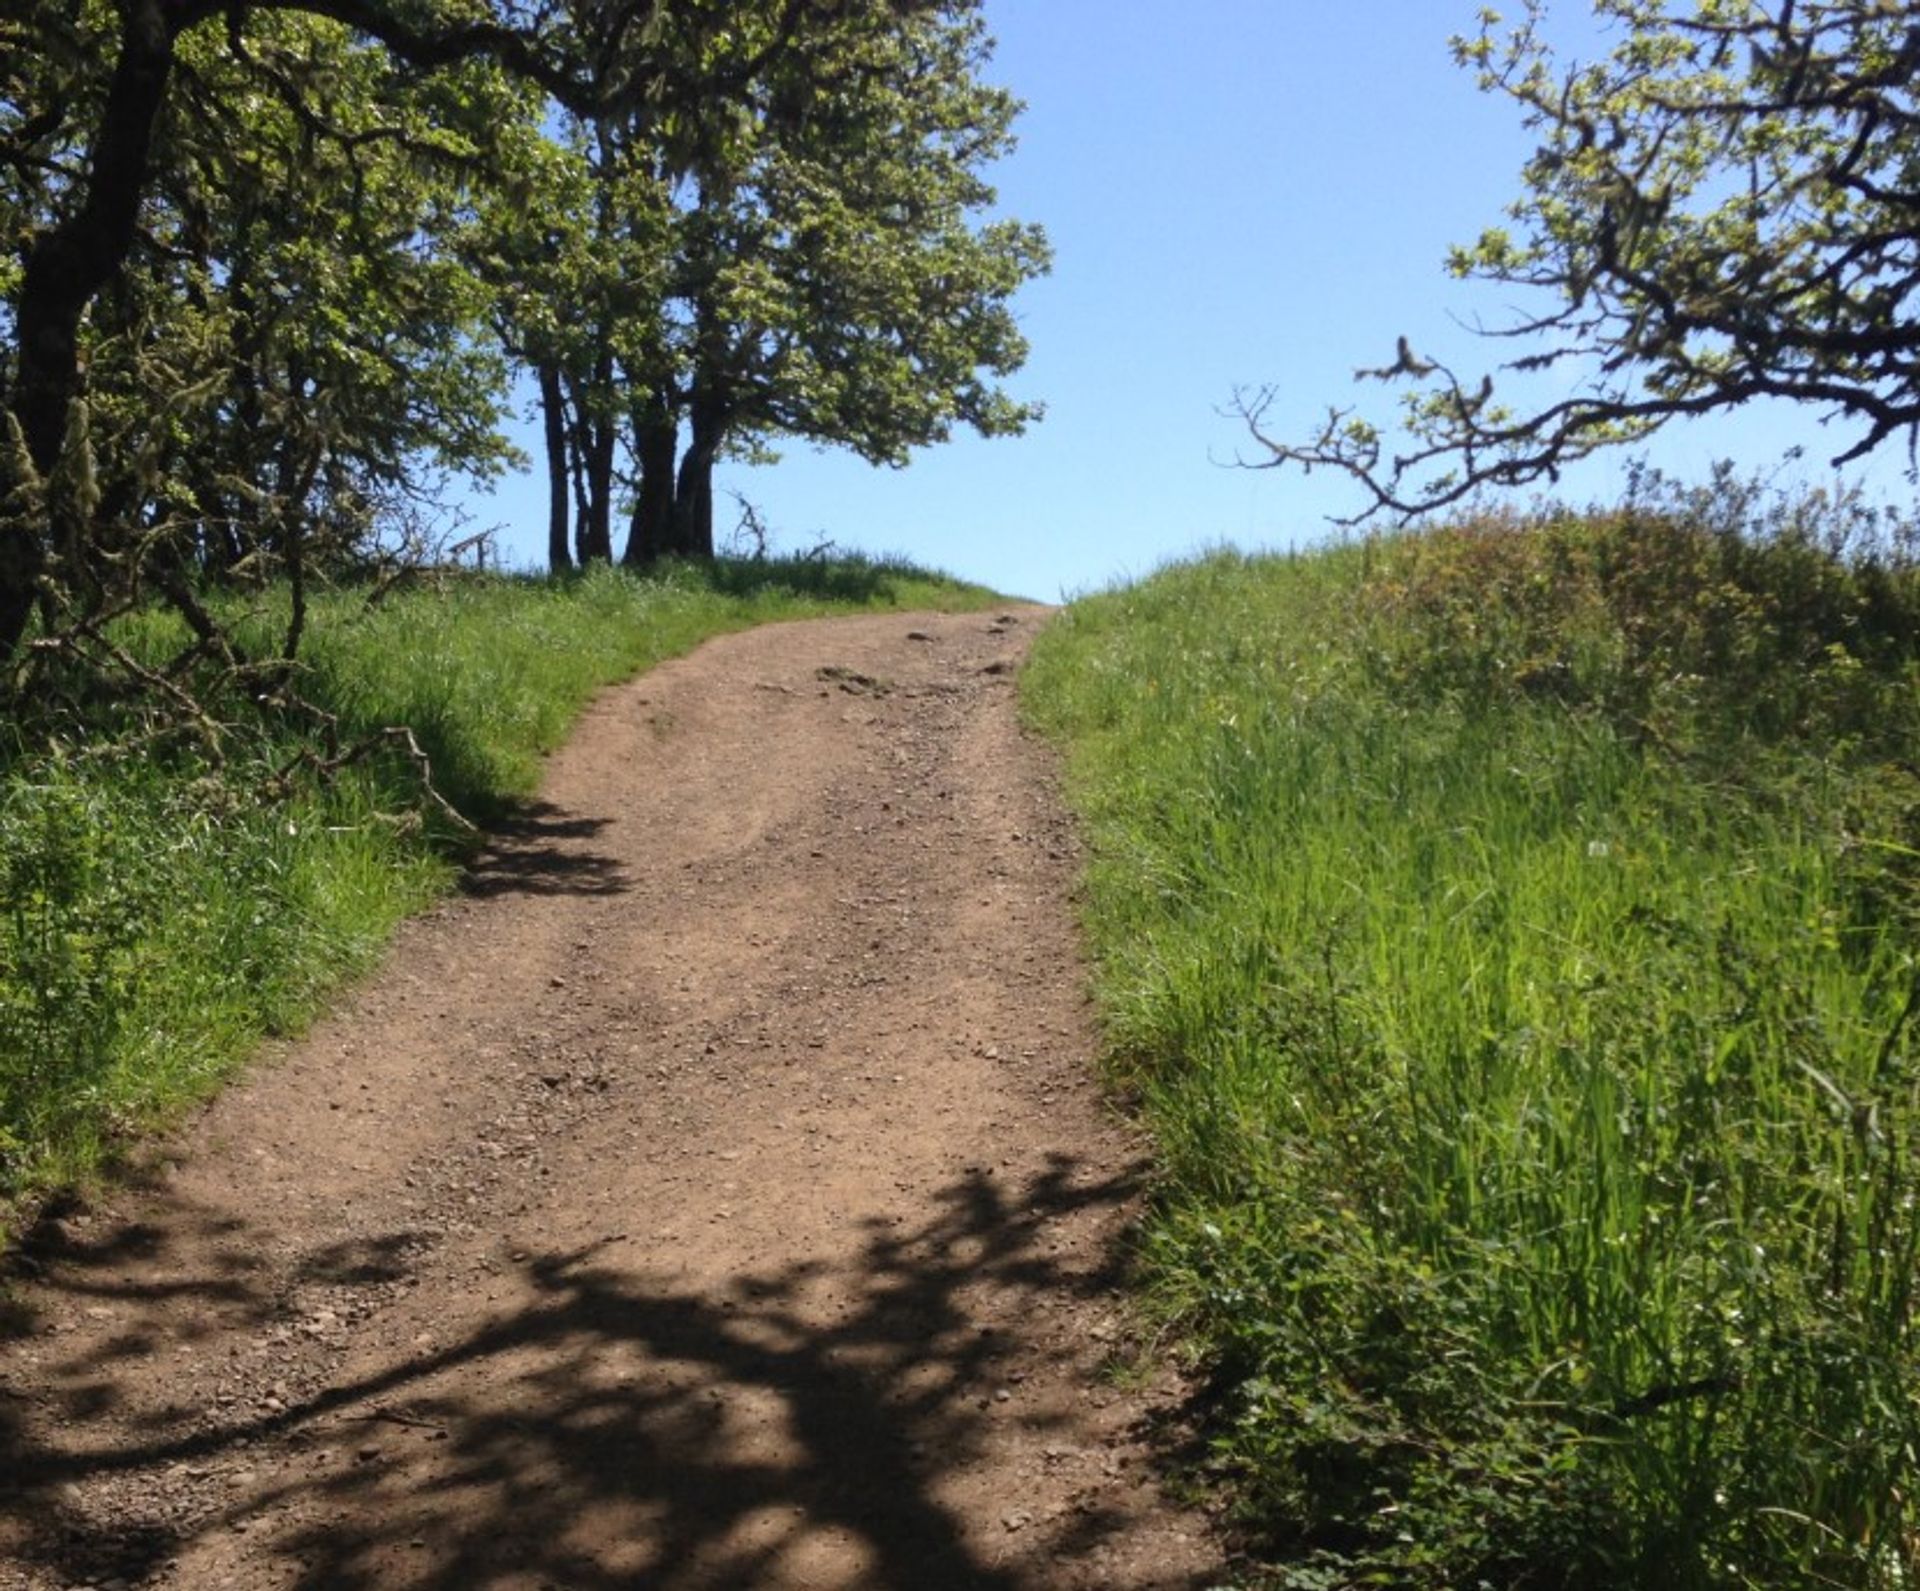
<point>1238,192</point>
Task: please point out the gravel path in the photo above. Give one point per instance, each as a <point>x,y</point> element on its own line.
<point>715,1195</point>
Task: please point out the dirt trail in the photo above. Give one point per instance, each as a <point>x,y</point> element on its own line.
<point>716,1196</point>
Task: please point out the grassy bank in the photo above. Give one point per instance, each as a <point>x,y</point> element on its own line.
<point>158,918</point>
<point>1511,931</point>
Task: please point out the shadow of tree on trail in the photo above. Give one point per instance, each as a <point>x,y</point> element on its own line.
<point>529,851</point>
<point>612,1429</point>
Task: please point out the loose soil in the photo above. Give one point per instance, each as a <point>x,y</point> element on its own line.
<point>715,1195</point>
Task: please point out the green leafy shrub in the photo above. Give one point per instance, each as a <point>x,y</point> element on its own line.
<point>69,948</point>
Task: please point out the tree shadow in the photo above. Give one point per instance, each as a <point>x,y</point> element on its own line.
<point>533,851</point>
<point>619,1430</point>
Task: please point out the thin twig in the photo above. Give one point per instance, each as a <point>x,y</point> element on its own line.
<point>388,1416</point>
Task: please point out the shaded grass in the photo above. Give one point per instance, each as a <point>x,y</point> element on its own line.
<point>1511,932</point>
<point>158,918</point>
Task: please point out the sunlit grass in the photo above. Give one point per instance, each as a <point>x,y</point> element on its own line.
<point>1517,958</point>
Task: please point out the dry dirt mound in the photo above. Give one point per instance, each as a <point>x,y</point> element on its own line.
<point>716,1196</point>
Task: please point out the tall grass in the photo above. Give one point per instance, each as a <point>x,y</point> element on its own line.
<point>1511,931</point>
<point>158,916</point>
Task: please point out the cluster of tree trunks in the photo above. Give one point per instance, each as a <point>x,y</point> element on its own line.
<point>671,501</point>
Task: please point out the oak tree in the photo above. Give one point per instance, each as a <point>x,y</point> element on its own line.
<point>79,215</point>
<point>1725,207</point>
<point>838,283</point>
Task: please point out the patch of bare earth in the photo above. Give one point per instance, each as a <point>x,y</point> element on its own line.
<point>717,1195</point>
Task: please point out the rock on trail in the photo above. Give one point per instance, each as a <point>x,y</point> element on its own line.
<point>716,1195</point>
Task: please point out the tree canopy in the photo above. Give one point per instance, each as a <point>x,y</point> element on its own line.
<point>1725,207</point>
<point>271,266</point>
<point>809,266</point>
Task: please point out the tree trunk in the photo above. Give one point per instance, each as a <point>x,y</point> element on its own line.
<point>693,506</point>
<point>65,267</point>
<point>693,500</point>
<point>656,440</point>
<point>597,540</point>
<point>595,437</point>
<point>577,450</point>
<point>215,548</point>
<point>553,411</point>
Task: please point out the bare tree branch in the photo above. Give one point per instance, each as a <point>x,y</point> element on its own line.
<point>1724,209</point>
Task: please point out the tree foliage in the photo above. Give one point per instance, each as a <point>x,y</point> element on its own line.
<point>270,267</point>
<point>281,356</point>
<point>809,265</point>
<point>1725,207</point>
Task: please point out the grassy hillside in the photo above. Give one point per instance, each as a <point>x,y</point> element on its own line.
<point>1511,931</point>
<point>158,916</point>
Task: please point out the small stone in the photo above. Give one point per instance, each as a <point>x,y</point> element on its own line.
<point>367,1452</point>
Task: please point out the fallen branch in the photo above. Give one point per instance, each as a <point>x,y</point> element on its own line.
<point>326,765</point>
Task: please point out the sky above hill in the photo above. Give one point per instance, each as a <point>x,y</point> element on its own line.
<point>1240,193</point>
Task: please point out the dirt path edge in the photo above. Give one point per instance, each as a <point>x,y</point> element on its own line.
<point>717,1193</point>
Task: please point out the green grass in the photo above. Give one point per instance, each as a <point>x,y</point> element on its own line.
<point>1511,934</point>
<point>158,918</point>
